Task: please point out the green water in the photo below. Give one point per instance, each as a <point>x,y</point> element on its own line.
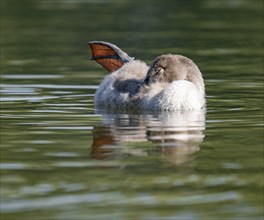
<point>62,159</point>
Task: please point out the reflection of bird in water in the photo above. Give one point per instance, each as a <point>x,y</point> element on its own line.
<point>102,139</point>
<point>114,130</point>
<point>176,135</point>
<point>172,82</point>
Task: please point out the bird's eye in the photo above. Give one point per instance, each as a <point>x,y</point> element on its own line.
<point>159,71</point>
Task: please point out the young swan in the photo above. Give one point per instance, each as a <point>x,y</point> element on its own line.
<point>172,82</point>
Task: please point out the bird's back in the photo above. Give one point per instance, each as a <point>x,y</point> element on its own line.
<point>118,87</point>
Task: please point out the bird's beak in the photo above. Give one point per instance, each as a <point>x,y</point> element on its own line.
<point>147,79</point>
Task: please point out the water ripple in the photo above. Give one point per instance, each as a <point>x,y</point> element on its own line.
<point>31,76</point>
<point>49,86</point>
<point>113,199</point>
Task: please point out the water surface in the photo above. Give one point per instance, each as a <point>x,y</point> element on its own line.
<point>63,159</point>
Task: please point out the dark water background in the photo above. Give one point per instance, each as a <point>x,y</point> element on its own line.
<point>61,159</point>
